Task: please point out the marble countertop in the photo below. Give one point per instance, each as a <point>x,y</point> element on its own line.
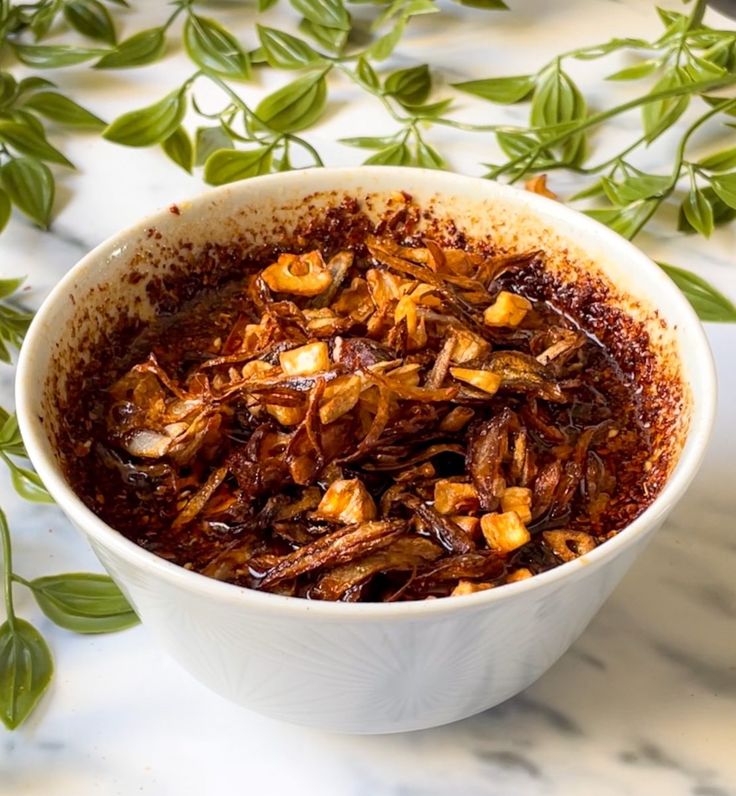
<point>643,703</point>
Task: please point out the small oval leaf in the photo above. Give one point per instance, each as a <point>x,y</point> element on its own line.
<point>328,13</point>
<point>28,485</point>
<point>91,19</point>
<point>709,303</point>
<point>660,114</point>
<point>178,146</point>
<point>150,125</point>
<point>333,39</point>
<point>62,110</point>
<point>285,51</point>
<point>428,157</point>
<point>296,105</point>
<point>504,90</point>
<point>214,48</point>
<point>28,140</point>
<point>386,44</point>
<point>209,140</point>
<point>367,75</point>
<point>719,161</point>
<point>51,56</point>
<point>142,48</point>
<point>725,187</point>
<point>699,212</point>
<point>228,165</point>
<point>409,86</point>
<point>26,668</point>
<point>30,186</point>
<point>395,155</point>
<point>83,602</point>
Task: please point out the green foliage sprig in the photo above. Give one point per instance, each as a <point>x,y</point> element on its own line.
<point>81,602</point>
<point>689,63</point>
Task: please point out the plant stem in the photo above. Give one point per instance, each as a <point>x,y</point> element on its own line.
<point>306,145</point>
<point>7,570</point>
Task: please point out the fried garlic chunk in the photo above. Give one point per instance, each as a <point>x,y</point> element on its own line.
<point>347,501</point>
<point>504,532</point>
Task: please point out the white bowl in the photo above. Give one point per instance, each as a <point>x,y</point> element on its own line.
<point>365,668</point>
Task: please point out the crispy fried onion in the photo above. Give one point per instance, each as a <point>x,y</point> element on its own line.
<point>371,427</point>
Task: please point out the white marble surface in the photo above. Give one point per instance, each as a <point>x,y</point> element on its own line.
<point>645,701</point>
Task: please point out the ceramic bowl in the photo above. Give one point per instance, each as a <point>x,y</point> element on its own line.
<point>364,668</point>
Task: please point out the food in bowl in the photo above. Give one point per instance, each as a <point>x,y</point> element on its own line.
<point>371,411</point>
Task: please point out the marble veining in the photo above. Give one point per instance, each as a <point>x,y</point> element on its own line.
<point>644,702</point>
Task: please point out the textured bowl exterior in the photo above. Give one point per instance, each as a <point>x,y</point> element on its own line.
<point>374,675</point>
<point>354,667</point>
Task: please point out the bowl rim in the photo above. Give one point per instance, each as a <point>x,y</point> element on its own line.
<point>702,385</point>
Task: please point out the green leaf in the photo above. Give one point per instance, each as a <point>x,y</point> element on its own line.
<point>296,105</point>
<point>699,211</point>
<point>660,114</point>
<point>228,165</point>
<point>83,602</point>
<point>11,441</point>
<point>51,56</point>
<point>636,71</point>
<point>725,187</point>
<point>33,83</point>
<point>141,48</point>
<point>428,157</point>
<point>43,19</point>
<point>26,669</point>
<point>385,45</point>
<point>214,48</point>
<point>367,75</point>
<point>209,140</point>
<point>27,118</point>
<point>27,140</point>
<point>30,186</point>
<point>594,189</point>
<point>5,208</point>
<point>703,69</point>
<point>669,17</point>
<point>91,19</point>
<point>405,9</point>
<point>505,90</point>
<point>488,5</point>
<point>369,142</point>
<point>722,213</point>
<point>62,110</point>
<point>28,484</point>
<point>625,220</point>
<point>515,144</point>
<point>428,110</point>
<point>150,125</point>
<point>556,100</point>
<point>409,86</point>
<point>395,155</point>
<point>327,13</point>
<point>285,51</point>
<point>8,89</point>
<point>719,161</point>
<point>634,187</point>
<point>333,39</point>
<point>178,146</point>
<point>264,5</point>
<point>709,303</point>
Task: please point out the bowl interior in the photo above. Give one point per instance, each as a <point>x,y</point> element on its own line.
<point>596,277</point>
